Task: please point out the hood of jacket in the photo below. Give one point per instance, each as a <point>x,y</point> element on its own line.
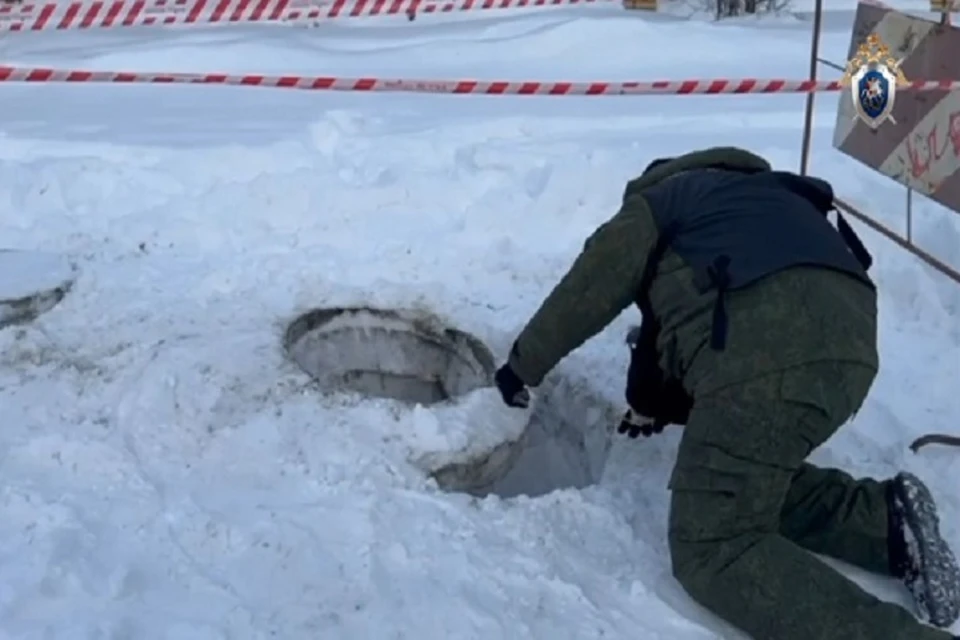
<point>727,158</point>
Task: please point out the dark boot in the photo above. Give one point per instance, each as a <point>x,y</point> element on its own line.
<point>919,555</point>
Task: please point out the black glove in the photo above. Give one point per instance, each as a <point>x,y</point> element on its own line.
<point>512,390</point>
<point>633,424</point>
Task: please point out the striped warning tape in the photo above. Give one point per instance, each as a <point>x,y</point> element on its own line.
<point>127,13</point>
<point>86,15</point>
<point>481,87</point>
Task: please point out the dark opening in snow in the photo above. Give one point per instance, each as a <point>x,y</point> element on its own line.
<point>412,357</point>
<point>567,442</point>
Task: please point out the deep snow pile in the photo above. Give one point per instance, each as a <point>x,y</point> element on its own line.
<point>169,473</point>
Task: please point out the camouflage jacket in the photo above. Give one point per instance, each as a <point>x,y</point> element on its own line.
<point>794,316</point>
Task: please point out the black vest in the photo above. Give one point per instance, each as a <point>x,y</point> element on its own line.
<point>733,228</point>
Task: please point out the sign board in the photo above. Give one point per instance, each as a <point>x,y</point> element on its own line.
<point>919,146</point>
<point>945,6</point>
<point>646,5</point>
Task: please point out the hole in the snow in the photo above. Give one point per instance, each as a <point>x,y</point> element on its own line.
<point>412,357</point>
<point>388,354</point>
<point>566,445</point>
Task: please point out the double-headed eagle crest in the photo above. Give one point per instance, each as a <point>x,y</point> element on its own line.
<point>873,76</point>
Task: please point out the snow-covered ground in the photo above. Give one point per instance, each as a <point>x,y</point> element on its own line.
<point>168,473</point>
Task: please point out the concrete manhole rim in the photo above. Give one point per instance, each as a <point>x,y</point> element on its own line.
<point>424,326</point>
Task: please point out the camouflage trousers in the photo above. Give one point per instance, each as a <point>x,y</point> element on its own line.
<point>747,511</point>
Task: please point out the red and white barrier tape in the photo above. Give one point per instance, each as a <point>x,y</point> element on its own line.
<point>87,15</point>
<point>128,13</point>
<point>476,87</point>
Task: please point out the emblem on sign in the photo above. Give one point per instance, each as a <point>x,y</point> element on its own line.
<point>873,77</point>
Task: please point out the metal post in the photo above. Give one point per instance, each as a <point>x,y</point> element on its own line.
<point>909,215</point>
<point>808,114</point>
